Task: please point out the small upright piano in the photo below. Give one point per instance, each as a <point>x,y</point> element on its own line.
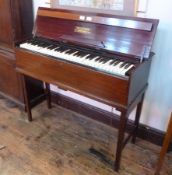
<point>101,56</point>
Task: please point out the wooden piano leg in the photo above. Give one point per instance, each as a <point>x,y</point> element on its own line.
<point>26,98</point>
<point>137,119</point>
<point>48,95</point>
<point>120,142</point>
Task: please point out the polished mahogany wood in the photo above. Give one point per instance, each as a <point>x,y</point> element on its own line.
<point>6,24</point>
<point>16,24</point>
<point>137,119</point>
<point>122,40</point>
<point>16,19</point>
<point>131,44</point>
<point>131,24</point>
<point>26,97</point>
<point>84,81</point>
<point>166,143</point>
<point>48,95</point>
<point>103,87</point>
<point>8,76</point>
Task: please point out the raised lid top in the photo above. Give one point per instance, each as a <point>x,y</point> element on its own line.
<point>131,36</point>
<point>133,24</point>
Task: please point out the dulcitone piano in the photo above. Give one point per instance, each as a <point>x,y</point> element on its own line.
<point>103,57</point>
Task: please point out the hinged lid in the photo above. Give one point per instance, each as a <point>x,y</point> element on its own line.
<point>130,36</point>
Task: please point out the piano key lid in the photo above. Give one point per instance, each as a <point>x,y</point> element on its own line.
<point>129,36</point>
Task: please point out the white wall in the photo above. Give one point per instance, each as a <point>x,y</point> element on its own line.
<point>158,99</point>
<point>38,3</point>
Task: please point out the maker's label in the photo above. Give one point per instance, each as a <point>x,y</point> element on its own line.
<point>83,30</point>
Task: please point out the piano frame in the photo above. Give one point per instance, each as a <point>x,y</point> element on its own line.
<point>123,93</point>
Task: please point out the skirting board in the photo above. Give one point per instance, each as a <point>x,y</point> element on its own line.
<point>147,133</point>
<point>20,104</point>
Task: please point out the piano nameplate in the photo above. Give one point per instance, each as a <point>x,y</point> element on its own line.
<point>83,30</point>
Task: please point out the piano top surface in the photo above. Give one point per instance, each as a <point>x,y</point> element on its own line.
<point>131,36</point>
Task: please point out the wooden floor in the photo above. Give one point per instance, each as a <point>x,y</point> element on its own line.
<point>58,142</point>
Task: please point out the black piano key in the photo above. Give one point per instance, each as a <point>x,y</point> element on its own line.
<point>100,60</point>
<point>91,56</point>
<point>127,65</point>
<point>76,54</point>
<point>64,50</point>
<point>33,43</point>
<point>48,46</point>
<point>61,49</point>
<point>79,54</point>
<point>97,59</point>
<point>105,60</point>
<point>29,41</point>
<point>84,54</point>
<point>41,44</point>
<point>123,64</point>
<point>113,62</point>
<point>58,49</point>
<point>52,47</point>
<point>45,45</point>
<point>116,63</point>
<point>71,51</point>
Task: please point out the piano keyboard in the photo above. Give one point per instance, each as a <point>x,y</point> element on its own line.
<point>65,52</point>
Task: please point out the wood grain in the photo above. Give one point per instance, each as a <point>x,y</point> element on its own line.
<point>126,23</point>
<point>16,23</point>
<point>117,39</point>
<point>58,142</point>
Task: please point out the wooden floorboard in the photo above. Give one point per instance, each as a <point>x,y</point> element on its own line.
<point>57,142</point>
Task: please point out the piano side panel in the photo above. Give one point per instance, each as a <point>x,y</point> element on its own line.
<point>139,80</point>
<point>93,84</point>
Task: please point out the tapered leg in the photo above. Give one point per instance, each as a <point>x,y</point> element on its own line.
<point>165,146</point>
<point>137,119</point>
<point>26,98</point>
<point>120,142</point>
<point>48,95</point>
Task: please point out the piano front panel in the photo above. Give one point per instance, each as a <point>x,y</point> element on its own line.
<point>103,87</point>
